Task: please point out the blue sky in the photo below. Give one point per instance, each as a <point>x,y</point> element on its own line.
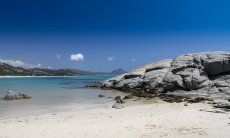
<point>104,35</point>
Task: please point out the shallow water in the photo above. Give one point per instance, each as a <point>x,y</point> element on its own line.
<point>51,94</point>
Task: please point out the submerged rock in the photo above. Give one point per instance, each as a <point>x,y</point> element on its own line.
<point>101,96</point>
<point>205,73</point>
<point>13,96</point>
<point>96,84</point>
<point>129,97</point>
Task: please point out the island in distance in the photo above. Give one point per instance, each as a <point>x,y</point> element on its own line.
<point>9,70</point>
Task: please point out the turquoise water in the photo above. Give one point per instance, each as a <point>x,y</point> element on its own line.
<point>51,94</point>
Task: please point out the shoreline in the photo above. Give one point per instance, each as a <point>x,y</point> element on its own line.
<point>139,119</point>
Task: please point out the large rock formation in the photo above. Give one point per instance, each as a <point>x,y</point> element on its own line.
<point>198,73</point>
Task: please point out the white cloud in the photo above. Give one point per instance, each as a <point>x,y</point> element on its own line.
<point>111,58</point>
<point>32,66</point>
<point>77,57</point>
<point>133,60</point>
<point>39,65</point>
<point>49,67</point>
<point>58,56</point>
<point>19,63</point>
<point>16,63</point>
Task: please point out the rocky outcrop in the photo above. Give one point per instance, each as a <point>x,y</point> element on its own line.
<point>13,96</point>
<point>205,73</point>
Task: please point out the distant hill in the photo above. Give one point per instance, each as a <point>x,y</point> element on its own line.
<point>118,72</point>
<point>8,70</point>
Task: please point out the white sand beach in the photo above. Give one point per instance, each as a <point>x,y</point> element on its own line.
<point>154,120</point>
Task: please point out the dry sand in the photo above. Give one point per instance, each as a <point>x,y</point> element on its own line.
<point>137,120</point>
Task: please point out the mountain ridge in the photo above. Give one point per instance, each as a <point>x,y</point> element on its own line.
<point>9,70</point>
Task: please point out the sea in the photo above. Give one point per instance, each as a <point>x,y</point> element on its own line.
<point>52,95</point>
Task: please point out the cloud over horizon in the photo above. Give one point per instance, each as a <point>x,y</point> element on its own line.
<point>16,63</point>
<point>77,57</point>
<point>35,66</point>
<point>19,63</point>
<point>111,58</point>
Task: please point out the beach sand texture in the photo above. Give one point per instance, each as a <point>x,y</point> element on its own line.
<point>154,120</point>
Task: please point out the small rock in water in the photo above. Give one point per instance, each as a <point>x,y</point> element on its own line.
<point>20,121</point>
<point>118,106</point>
<point>96,85</point>
<point>129,97</point>
<point>186,104</point>
<point>101,95</point>
<point>118,99</point>
<point>12,96</point>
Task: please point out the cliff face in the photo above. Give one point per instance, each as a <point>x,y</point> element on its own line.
<point>200,73</point>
